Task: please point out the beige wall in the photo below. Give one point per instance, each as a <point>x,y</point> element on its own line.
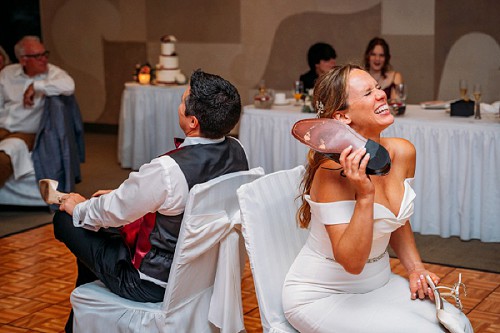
<point>99,42</point>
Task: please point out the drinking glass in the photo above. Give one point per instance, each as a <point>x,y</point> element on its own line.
<point>477,97</point>
<point>462,84</point>
<point>397,105</point>
<point>298,90</point>
<point>401,92</point>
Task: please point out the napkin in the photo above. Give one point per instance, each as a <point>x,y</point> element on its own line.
<point>490,108</point>
<point>436,104</point>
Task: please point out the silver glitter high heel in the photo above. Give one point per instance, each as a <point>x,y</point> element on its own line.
<point>449,320</point>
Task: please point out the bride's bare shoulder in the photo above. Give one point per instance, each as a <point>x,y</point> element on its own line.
<point>403,154</point>
<point>329,184</point>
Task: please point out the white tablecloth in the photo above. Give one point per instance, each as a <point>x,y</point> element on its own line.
<point>148,123</point>
<point>266,136</point>
<point>458,164</point>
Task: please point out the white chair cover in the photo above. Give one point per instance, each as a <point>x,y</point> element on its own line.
<point>203,293</point>
<point>273,239</point>
<point>23,191</point>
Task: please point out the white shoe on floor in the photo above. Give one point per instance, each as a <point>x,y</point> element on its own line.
<point>49,192</point>
<point>451,321</point>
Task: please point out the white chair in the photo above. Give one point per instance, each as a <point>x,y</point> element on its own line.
<point>273,239</point>
<point>203,293</point>
<point>23,191</point>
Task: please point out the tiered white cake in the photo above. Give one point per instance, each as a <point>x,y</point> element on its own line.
<point>167,71</point>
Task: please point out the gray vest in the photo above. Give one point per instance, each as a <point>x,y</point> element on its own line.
<point>199,163</point>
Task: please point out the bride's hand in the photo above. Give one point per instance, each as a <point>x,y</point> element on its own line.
<point>418,284</point>
<point>354,164</point>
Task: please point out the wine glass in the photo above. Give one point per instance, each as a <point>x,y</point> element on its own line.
<point>401,92</point>
<point>298,90</point>
<point>397,104</point>
<point>477,97</point>
<point>462,85</point>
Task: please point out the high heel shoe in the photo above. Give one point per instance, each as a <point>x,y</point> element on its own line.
<point>451,321</point>
<point>49,192</point>
<point>330,137</point>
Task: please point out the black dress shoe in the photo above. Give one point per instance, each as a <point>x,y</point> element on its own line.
<point>330,137</point>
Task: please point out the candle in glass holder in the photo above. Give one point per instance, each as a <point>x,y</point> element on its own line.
<point>144,78</point>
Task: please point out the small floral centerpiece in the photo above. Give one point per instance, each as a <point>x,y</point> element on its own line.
<point>144,74</point>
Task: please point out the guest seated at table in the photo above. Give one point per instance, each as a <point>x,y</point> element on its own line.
<point>4,58</point>
<point>148,206</point>
<point>341,281</point>
<point>320,58</point>
<point>377,61</point>
<point>23,88</point>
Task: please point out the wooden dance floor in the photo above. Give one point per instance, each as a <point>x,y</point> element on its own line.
<point>37,274</point>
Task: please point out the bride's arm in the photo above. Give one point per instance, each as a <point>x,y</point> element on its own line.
<point>403,243</point>
<point>402,239</point>
<point>351,242</point>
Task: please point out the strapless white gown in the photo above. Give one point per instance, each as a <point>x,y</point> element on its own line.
<point>320,296</point>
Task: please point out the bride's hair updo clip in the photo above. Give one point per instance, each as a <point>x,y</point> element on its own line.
<point>320,108</point>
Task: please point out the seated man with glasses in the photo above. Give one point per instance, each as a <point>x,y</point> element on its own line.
<point>23,88</point>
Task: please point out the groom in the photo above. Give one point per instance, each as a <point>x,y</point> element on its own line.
<point>148,206</point>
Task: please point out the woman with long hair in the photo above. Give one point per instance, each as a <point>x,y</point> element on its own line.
<point>341,281</point>
<point>377,61</point>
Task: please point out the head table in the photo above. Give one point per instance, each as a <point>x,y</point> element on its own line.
<point>457,177</point>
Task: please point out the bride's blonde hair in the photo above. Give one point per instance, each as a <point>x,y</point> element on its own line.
<point>330,92</point>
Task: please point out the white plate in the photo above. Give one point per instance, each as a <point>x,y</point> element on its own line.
<point>285,103</point>
<point>438,105</point>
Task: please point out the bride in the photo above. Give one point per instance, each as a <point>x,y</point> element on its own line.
<point>341,280</point>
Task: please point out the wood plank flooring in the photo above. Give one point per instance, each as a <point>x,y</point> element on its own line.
<point>37,274</point>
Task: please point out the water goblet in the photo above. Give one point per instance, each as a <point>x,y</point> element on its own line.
<point>298,91</point>
<point>477,97</point>
<point>397,105</point>
<point>401,92</point>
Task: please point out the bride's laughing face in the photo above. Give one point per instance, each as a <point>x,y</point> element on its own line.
<point>367,104</point>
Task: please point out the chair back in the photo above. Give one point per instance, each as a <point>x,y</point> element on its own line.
<point>207,260</point>
<point>203,293</point>
<point>273,239</point>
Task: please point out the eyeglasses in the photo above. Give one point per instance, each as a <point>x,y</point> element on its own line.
<point>38,56</point>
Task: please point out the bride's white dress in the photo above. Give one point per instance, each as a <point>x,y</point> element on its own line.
<point>320,296</point>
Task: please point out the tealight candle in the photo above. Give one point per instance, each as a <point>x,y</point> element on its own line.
<point>144,78</point>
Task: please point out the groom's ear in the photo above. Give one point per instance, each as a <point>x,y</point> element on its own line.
<point>193,122</point>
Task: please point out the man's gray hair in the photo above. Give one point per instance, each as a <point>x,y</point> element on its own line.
<point>19,47</point>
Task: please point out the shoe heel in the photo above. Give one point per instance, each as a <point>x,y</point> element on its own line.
<point>437,295</point>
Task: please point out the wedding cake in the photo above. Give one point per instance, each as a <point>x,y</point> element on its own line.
<point>167,71</point>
